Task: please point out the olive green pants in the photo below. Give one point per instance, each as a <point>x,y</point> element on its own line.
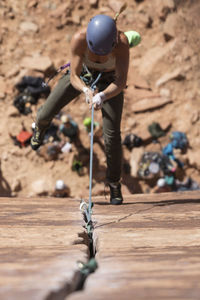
<point>64,93</point>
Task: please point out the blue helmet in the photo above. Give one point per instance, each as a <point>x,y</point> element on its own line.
<point>101,34</point>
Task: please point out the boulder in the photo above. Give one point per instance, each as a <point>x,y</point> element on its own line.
<point>149,104</point>
<point>93,3</point>
<point>169,28</point>
<point>28,26</point>
<point>177,74</point>
<point>40,187</point>
<point>12,111</point>
<point>152,58</point>
<point>115,5</point>
<point>193,158</point>
<point>39,63</point>
<point>16,186</point>
<point>165,7</point>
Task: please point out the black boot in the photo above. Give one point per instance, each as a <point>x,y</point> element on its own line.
<point>115,193</point>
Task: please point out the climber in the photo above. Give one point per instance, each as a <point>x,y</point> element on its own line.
<point>101,47</point>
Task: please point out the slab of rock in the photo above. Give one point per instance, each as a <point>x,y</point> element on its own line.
<point>147,248</point>
<point>12,111</point>
<point>93,3</point>
<point>115,5</point>
<point>28,26</point>
<point>193,158</point>
<point>149,104</point>
<point>169,29</point>
<point>39,63</point>
<point>137,80</point>
<point>3,85</point>
<point>62,10</point>
<point>177,74</point>
<point>152,57</point>
<point>40,244</point>
<point>136,94</point>
<point>164,8</point>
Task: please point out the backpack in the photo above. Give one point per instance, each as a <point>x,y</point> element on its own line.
<point>179,140</point>
<point>23,138</point>
<point>131,140</point>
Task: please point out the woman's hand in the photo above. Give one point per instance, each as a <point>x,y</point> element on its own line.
<point>98,100</point>
<point>88,95</point>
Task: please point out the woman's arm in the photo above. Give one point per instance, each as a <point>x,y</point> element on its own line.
<point>121,71</point>
<point>78,46</point>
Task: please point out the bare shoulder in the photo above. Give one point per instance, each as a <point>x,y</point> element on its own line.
<point>122,38</point>
<point>78,41</point>
<point>122,41</point>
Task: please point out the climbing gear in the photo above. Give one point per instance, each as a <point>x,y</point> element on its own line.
<point>168,150</point>
<point>161,182</point>
<point>32,86</point>
<point>133,37</point>
<point>37,139</point>
<point>60,185</point>
<point>87,268</point>
<point>77,166</point>
<point>22,139</point>
<point>87,209</point>
<point>101,34</point>
<point>23,103</point>
<point>179,140</point>
<point>87,123</point>
<point>153,163</point>
<point>155,130</point>
<point>115,193</point>
<point>131,140</point>
<point>93,87</point>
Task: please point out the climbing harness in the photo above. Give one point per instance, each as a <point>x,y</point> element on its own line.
<point>87,209</point>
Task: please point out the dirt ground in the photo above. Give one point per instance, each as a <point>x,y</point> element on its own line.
<point>163,87</point>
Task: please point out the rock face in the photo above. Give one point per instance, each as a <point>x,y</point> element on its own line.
<point>162,85</point>
<point>147,248</point>
<point>40,247</point>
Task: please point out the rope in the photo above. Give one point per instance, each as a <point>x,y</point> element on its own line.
<point>93,87</point>
<point>123,7</point>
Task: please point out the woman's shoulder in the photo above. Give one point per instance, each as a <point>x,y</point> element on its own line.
<point>80,35</point>
<point>122,45</point>
<point>78,40</point>
<point>122,39</point>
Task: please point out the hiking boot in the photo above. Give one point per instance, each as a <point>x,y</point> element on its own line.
<point>37,138</point>
<point>115,193</point>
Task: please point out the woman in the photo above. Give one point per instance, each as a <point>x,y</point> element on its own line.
<point>98,48</point>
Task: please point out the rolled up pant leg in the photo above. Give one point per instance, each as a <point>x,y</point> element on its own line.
<point>60,96</point>
<point>112,113</point>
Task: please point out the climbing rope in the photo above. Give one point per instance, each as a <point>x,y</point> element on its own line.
<point>87,209</point>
